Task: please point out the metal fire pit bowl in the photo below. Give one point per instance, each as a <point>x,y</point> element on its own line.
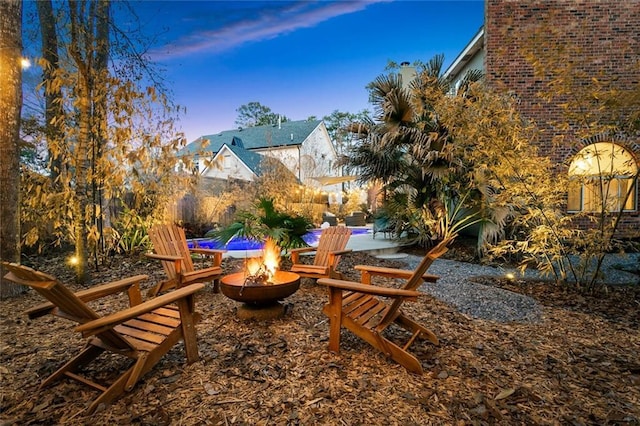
<point>284,285</point>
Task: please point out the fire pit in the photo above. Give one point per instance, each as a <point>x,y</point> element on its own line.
<point>261,285</point>
<point>241,288</point>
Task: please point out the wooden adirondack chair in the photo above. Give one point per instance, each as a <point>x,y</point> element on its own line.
<point>358,307</point>
<point>144,332</point>
<point>171,248</point>
<point>331,246</point>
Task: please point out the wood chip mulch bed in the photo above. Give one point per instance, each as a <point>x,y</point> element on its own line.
<point>579,366</point>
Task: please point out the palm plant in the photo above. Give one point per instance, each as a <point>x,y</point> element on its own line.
<point>284,229</point>
<point>408,150</point>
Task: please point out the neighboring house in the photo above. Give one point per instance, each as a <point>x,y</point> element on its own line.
<point>471,58</point>
<point>607,34</point>
<point>303,147</point>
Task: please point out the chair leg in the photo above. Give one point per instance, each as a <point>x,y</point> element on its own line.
<point>404,358</point>
<point>189,336</point>
<point>385,346</point>
<point>128,380</point>
<point>136,371</point>
<point>334,311</point>
<point>400,355</point>
<point>88,354</point>
<point>413,338</point>
<point>414,327</point>
<point>116,389</point>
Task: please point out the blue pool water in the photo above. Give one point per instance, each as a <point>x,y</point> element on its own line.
<point>240,244</point>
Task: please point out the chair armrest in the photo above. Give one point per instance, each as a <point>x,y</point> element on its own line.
<point>334,254</point>
<point>340,252</point>
<point>368,288</point>
<point>110,288</point>
<point>302,250</point>
<point>206,251</point>
<point>201,275</point>
<point>177,260</point>
<point>393,272</point>
<point>215,253</point>
<point>295,253</point>
<point>167,257</point>
<point>98,292</point>
<point>98,325</point>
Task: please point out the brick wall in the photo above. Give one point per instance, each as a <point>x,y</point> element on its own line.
<point>599,38</point>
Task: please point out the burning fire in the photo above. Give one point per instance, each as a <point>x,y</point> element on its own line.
<point>262,269</point>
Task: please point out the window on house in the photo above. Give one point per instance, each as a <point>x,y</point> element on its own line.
<point>601,178</point>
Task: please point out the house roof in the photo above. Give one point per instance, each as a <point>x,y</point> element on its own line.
<point>253,161</point>
<point>250,159</point>
<point>466,55</point>
<point>289,133</point>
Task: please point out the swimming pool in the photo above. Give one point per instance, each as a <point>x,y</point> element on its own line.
<point>240,244</point>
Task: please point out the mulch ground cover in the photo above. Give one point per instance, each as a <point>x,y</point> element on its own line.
<point>579,366</point>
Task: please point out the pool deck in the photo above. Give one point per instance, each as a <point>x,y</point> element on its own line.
<point>375,246</point>
<point>378,246</point>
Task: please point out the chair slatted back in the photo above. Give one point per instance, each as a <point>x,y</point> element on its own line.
<point>67,304</point>
<point>170,239</point>
<point>415,281</point>
<point>334,238</point>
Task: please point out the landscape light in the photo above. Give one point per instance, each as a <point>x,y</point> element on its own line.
<point>25,63</point>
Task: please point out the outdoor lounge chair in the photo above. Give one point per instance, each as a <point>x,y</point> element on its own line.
<point>144,332</point>
<point>359,308</point>
<point>171,248</point>
<point>382,224</point>
<point>355,219</point>
<point>329,218</point>
<point>331,246</point>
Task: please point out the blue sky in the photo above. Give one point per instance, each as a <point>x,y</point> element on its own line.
<point>300,58</point>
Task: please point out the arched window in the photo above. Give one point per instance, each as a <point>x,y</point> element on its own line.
<point>601,178</point>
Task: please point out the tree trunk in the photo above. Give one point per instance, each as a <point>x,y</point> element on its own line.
<point>53,95</point>
<point>82,199</point>
<point>82,160</point>
<point>100,117</point>
<point>10,106</point>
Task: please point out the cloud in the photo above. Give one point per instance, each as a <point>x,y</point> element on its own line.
<point>264,24</point>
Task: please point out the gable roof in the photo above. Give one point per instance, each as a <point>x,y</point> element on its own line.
<point>250,159</point>
<point>463,58</point>
<point>289,133</point>
<point>253,161</point>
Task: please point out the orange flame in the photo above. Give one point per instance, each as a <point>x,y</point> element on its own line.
<point>267,264</point>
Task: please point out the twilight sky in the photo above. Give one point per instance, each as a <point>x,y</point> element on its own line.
<point>300,58</point>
